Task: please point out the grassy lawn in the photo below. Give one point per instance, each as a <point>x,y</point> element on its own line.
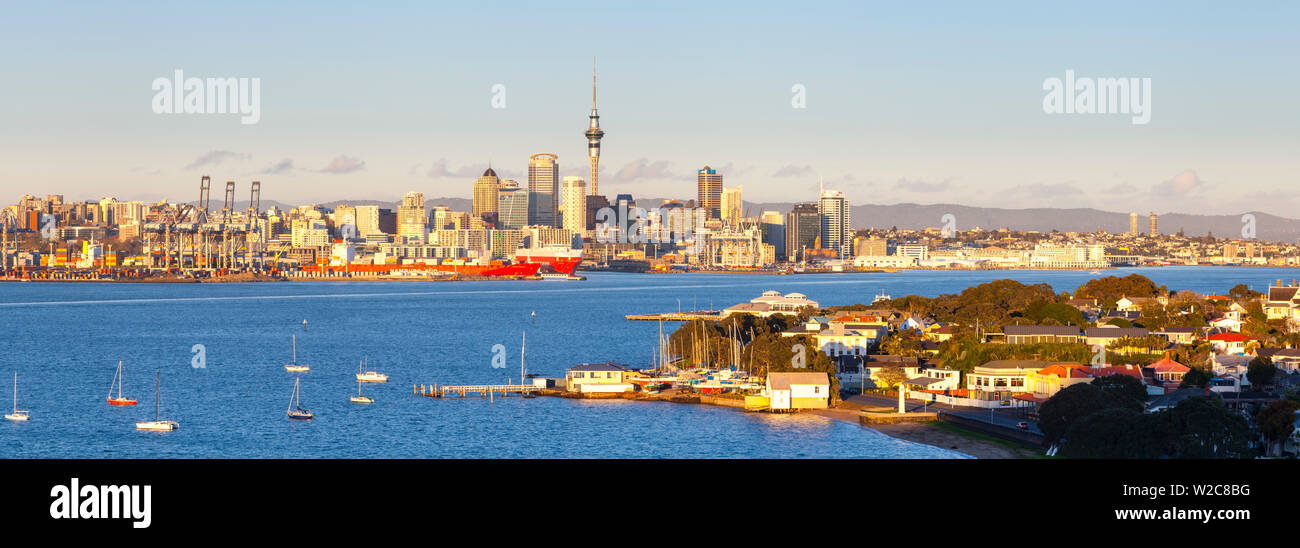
<point>1019,448</point>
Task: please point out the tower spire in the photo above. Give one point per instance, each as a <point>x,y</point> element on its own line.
<point>593,82</point>
<point>594,134</point>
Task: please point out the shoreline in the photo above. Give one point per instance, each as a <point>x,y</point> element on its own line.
<point>932,433</point>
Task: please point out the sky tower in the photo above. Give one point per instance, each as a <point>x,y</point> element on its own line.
<point>594,134</point>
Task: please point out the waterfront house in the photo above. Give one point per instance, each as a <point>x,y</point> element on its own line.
<point>791,391</point>
<point>1135,304</point>
<point>1046,382</point>
<point>1036,334</point>
<point>599,377</point>
<point>940,332</point>
<point>1233,343</point>
<point>1000,379</point>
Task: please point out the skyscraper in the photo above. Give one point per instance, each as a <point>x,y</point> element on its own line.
<point>410,217</point>
<point>543,187</point>
<point>594,134</point>
<point>573,204</point>
<point>731,205</point>
<point>1133,224</point>
<point>1155,225</point>
<point>772,224</point>
<point>802,227</point>
<point>709,182</point>
<point>485,193</point>
<point>836,234</point>
<point>512,208</point>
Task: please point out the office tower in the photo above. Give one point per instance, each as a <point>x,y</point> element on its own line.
<point>1133,224</point>
<point>594,134</point>
<point>410,217</point>
<point>709,182</point>
<point>595,203</point>
<point>836,231</point>
<point>870,247</point>
<point>1155,226</point>
<point>438,217</point>
<point>485,193</point>
<point>367,220</point>
<point>512,206</point>
<point>772,224</point>
<point>731,206</point>
<point>573,204</point>
<point>802,228</point>
<point>543,187</point>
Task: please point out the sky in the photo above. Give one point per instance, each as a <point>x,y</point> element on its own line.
<point>915,102</point>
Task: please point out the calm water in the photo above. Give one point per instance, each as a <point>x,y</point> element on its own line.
<point>64,340</point>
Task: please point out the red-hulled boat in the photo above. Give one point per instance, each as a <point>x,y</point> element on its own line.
<point>562,260</point>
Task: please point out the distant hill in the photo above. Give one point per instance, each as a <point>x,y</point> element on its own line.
<point>917,216</point>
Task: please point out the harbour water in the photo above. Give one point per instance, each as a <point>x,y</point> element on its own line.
<point>64,340</point>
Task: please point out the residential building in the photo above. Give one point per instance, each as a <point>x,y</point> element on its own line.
<point>709,190</point>
<point>836,228</point>
<point>411,218</point>
<point>1038,334</point>
<point>731,206</point>
<point>543,188</point>
<point>573,204</point>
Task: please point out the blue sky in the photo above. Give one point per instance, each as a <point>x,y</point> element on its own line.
<point>925,102</point>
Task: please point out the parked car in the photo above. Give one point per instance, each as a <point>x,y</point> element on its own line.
<point>1022,425</point>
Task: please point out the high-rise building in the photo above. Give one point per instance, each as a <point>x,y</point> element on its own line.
<point>512,208</point>
<point>573,204</point>
<point>1133,224</point>
<point>802,228</point>
<point>731,205</point>
<point>485,193</point>
<point>772,225</point>
<point>836,231</point>
<point>870,247</point>
<point>410,217</point>
<point>595,203</point>
<point>367,220</point>
<point>1155,225</point>
<point>543,187</point>
<point>709,182</point>
<point>439,217</point>
<point>594,134</point>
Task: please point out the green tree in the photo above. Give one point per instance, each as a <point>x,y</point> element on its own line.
<point>1077,401</point>
<point>1261,371</point>
<point>1115,433</point>
<point>1196,378</point>
<point>1064,314</point>
<point>1276,422</point>
<point>1198,428</point>
<point>1123,385</point>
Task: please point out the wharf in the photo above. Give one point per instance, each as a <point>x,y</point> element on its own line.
<point>481,390</point>
<point>706,315</point>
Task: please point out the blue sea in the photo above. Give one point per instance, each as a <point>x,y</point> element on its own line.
<point>65,339</point>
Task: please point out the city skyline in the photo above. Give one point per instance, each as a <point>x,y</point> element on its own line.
<point>957,121</point>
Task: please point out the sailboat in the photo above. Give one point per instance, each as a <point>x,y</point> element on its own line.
<point>117,381</point>
<point>370,376</point>
<point>157,423</point>
<point>17,415</point>
<point>296,367</point>
<point>295,406</point>
<point>359,398</point>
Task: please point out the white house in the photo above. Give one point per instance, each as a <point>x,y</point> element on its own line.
<point>788,391</point>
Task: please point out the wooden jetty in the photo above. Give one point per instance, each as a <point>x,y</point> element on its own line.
<point>480,390</point>
<point>707,315</point>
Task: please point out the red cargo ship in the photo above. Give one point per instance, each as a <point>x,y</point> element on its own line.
<point>496,268</point>
<point>562,260</point>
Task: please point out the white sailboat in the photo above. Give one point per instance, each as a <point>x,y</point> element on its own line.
<point>296,367</point>
<point>157,424</point>
<point>359,398</point>
<point>370,376</point>
<point>17,415</point>
<point>295,405</point>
